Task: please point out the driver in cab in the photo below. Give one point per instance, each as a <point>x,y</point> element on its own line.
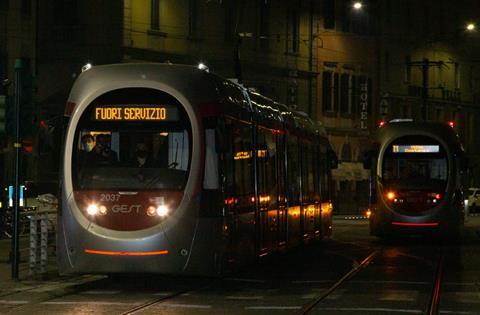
<point>102,153</point>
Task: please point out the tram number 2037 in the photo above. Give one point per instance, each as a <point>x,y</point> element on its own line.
<point>109,197</point>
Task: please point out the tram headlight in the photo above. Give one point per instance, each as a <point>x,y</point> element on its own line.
<point>162,210</point>
<point>92,209</point>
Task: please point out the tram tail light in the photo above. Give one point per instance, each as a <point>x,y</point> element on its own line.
<point>151,211</point>
<point>368,213</point>
<point>391,195</point>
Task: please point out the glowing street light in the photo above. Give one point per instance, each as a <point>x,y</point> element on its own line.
<point>357,5</point>
<point>470,27</point>
<point>203,66</point>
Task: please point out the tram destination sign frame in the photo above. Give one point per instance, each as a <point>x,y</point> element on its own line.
<point>415,148</point>
<point>135,112</point>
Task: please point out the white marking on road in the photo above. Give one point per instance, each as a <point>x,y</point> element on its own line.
<point>463,297</point>
<point>399,295</point>
<point>231,297</point>
<point>245,280</point>
<point>87,303</point>
<point>186,305</point>
<point>392,282</point>
<point>459,283</point>
<point>100,292</point>
<point>13,302</point>
<point>336,294</point>
<point>457,312</point>
<point>368,309</point>
<point>163,293</point>
<point>312,281</point>
<point>273,307</point>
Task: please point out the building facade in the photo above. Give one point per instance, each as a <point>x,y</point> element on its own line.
<point>429,66</point>
<point>314,56</point>
<point>53,40</point>
<point>347,68</point>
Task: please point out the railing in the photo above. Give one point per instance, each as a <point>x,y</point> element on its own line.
<point>42,240</point>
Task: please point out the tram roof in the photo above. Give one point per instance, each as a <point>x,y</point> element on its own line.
<point>401,128</point>
<point>211,95</point>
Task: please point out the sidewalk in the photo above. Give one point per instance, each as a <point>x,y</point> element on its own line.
<point>7,284</point>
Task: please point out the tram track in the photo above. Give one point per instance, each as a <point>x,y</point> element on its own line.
<point>355,269</point>
<point>432,307</point>
<point>85,287</point>
<point>162,299</point>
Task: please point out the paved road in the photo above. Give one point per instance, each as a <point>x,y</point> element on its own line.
<point>396,277</point>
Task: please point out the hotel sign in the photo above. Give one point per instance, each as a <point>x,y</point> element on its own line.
<point>363,104</point>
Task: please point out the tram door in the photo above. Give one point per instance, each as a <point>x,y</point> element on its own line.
<point>325,190</point>
<point>293,187</point>
<point>268,186</point>
<point>239,191</point>
<point>308,206</point>
<point>281,193</point>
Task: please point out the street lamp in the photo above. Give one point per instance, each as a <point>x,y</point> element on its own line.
<point>470,27</point>
<point>357,5</point>
<point>203,66</point>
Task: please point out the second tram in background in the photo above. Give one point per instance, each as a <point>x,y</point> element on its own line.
<point>417,179</point>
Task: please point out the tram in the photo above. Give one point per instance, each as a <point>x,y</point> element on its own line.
<point>417,179</point>
<point>171,169</point>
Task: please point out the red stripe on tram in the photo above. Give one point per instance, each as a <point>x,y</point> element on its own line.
<point>110,253</point>
<point>415,224</point>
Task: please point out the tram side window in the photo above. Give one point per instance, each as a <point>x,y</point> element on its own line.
<point>243,175</point>
<point>267,168</point>
<point>293,172</point>
<point>280,138</point>
<point>316,172</point>
<point>307,173</point>
<point>210,180</point>
<point>229,161</point>
<point>323,164</point>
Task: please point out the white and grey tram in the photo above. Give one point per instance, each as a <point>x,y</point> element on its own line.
<point>417,179</point>
<point>171,169</point>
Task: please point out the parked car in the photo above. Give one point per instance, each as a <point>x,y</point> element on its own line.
<point>472,203</point>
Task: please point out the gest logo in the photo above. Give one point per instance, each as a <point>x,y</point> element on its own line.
<point>126,208</point>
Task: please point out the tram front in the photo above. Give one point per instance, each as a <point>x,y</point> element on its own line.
<point>416,183</point>
<point>126,199</point>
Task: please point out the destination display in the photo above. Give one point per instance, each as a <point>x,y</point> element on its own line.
<point>135,113</point>
<point>397,148</point>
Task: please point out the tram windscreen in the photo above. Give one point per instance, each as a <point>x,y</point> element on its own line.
<point>415,163</point>
<point>138,154</point>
